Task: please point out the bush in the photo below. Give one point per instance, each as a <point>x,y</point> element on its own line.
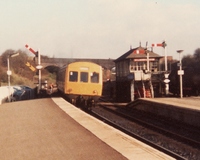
<point>21,74</point>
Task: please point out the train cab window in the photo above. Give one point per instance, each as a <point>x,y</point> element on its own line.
<point>73,76</point>
<point>94,77</point>
<point>84,77</point>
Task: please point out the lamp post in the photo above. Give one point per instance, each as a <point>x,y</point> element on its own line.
<point>180,73</point>
<point>9,72</point>
<point>39,67</point>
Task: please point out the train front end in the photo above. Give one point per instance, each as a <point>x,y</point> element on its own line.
<point>83,82</point>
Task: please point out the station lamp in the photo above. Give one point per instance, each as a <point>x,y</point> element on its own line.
<point>180,73</point>
<point>9,72</point>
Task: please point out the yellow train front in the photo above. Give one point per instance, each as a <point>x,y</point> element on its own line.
<point>81,83</point>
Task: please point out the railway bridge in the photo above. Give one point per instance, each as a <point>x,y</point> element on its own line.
<point>53,64</point>
<point>59,62</point>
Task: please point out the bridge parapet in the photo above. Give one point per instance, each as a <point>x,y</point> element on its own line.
<point>59,62</point>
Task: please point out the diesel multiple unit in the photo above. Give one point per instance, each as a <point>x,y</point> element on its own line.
<point>81,82</point>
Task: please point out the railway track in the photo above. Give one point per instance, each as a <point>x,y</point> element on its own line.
<point>148,130</point>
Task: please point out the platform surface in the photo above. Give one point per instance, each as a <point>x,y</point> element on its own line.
<point>185,102</point>
<point>126,145</point>
<point>39,129</point>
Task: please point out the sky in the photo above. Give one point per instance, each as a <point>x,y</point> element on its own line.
<point>99,29</point>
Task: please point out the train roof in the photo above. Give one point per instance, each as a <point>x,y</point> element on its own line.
<point>76,62</point>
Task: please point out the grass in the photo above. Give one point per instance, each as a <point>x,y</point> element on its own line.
<point>16,79</point>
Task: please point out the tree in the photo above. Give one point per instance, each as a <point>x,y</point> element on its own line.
<point>5,55</point>
<point>16,63</point>
<point>188,61</point>
<point>21,74</point>
<point>3,75</point>
<point>197,55</point>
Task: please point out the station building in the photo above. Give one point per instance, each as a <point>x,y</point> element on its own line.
<point>139,73</point>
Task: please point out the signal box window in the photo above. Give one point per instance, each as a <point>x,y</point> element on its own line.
<point>94,78</point>
<point>73,76</point>
<point>84,76</point>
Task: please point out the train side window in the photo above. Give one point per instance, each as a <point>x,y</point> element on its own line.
<point>94,77</point>
<point>73,76</point>
<point>84,76</point>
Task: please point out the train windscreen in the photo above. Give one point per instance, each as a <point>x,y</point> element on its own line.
<point>84,77</point>
<point>94,78</point>
<point>73,76</point>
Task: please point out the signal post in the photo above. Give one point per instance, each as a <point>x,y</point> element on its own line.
<point>39,66</point>
<point>180,73</point>
<point>166,74</point>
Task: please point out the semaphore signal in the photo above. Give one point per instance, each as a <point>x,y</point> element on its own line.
<point>39,66</point>
<point>30,49</point>
<point>163,44</point>
<point>30,66</point>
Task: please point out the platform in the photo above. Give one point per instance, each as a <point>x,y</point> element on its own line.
<point>39,129</point>
<point>185,110</point>
<point>192,103</point>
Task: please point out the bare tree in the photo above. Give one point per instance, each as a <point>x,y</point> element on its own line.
<point>197,55</point>
<point>16,63</point>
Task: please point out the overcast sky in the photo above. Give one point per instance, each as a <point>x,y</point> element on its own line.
<point>99,28</point>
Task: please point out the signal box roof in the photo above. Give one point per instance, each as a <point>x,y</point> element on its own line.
<point>137,53</point>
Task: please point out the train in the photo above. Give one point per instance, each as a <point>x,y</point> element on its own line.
<point>81,83</point>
